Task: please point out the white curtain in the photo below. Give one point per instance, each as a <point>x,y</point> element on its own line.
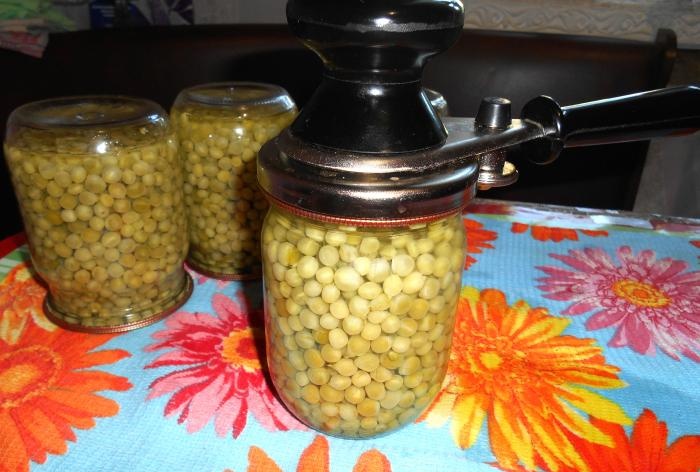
<point>629,19</point>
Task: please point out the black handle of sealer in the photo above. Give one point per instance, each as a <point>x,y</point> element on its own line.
<point>635,117</point>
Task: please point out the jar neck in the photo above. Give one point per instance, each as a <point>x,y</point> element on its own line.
<point>361,222</point>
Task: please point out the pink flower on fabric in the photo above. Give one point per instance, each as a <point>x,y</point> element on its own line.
<point>220,373</point>
<point>651,302</point>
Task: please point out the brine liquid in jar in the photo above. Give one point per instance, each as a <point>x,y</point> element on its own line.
<point>98,184</point>
<point>221,127</point>
<point>359,320</point>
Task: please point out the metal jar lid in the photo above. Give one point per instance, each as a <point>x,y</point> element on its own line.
<point>368,145</point>
<point>343,185</point>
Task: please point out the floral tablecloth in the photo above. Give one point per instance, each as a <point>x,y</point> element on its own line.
<point>577,348</point>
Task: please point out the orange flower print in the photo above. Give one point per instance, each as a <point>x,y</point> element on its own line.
<point>21,298</point>
<point>478,238</point>
<point>516,370</point>
<point>645,450</point>
<point>47,389</point>
<point>547,233</point>
<point>315,458</point>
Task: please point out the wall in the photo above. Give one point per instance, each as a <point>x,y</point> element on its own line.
<point>239,11</point>
<point>630,19</point>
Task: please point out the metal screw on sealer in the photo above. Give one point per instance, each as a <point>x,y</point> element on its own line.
<point>494,170</point>
<point>363,245</point>
<point>546,128</point>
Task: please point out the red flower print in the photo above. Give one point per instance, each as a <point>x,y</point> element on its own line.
<point>651,302</point>
<point>220,373</point>
<point>547,233</point>
<point>11,243</point>
<point>478,238</point>
<point>645,450</point>
<point>47,388</point>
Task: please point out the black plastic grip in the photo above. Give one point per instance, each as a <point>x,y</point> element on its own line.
<point>635,117</point>
<point>371,99</point>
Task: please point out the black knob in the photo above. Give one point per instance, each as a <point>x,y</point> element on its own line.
<point>494,112</point>
<point>371,98</point>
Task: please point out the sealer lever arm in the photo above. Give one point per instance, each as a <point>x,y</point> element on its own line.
<point>635,117</point>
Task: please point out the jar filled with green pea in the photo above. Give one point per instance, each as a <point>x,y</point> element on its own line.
<point>359,319</point>
<point>98,183</point>
<point>364,243</point>
<point>221,127</point>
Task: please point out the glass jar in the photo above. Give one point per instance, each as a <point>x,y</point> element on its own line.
<point>97,180</point>
<point>359,320</point>
<point>221,128</point>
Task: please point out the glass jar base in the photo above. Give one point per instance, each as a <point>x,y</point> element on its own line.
<point>59,318</point>
<point>220,275</point>
<point>357,437</point>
